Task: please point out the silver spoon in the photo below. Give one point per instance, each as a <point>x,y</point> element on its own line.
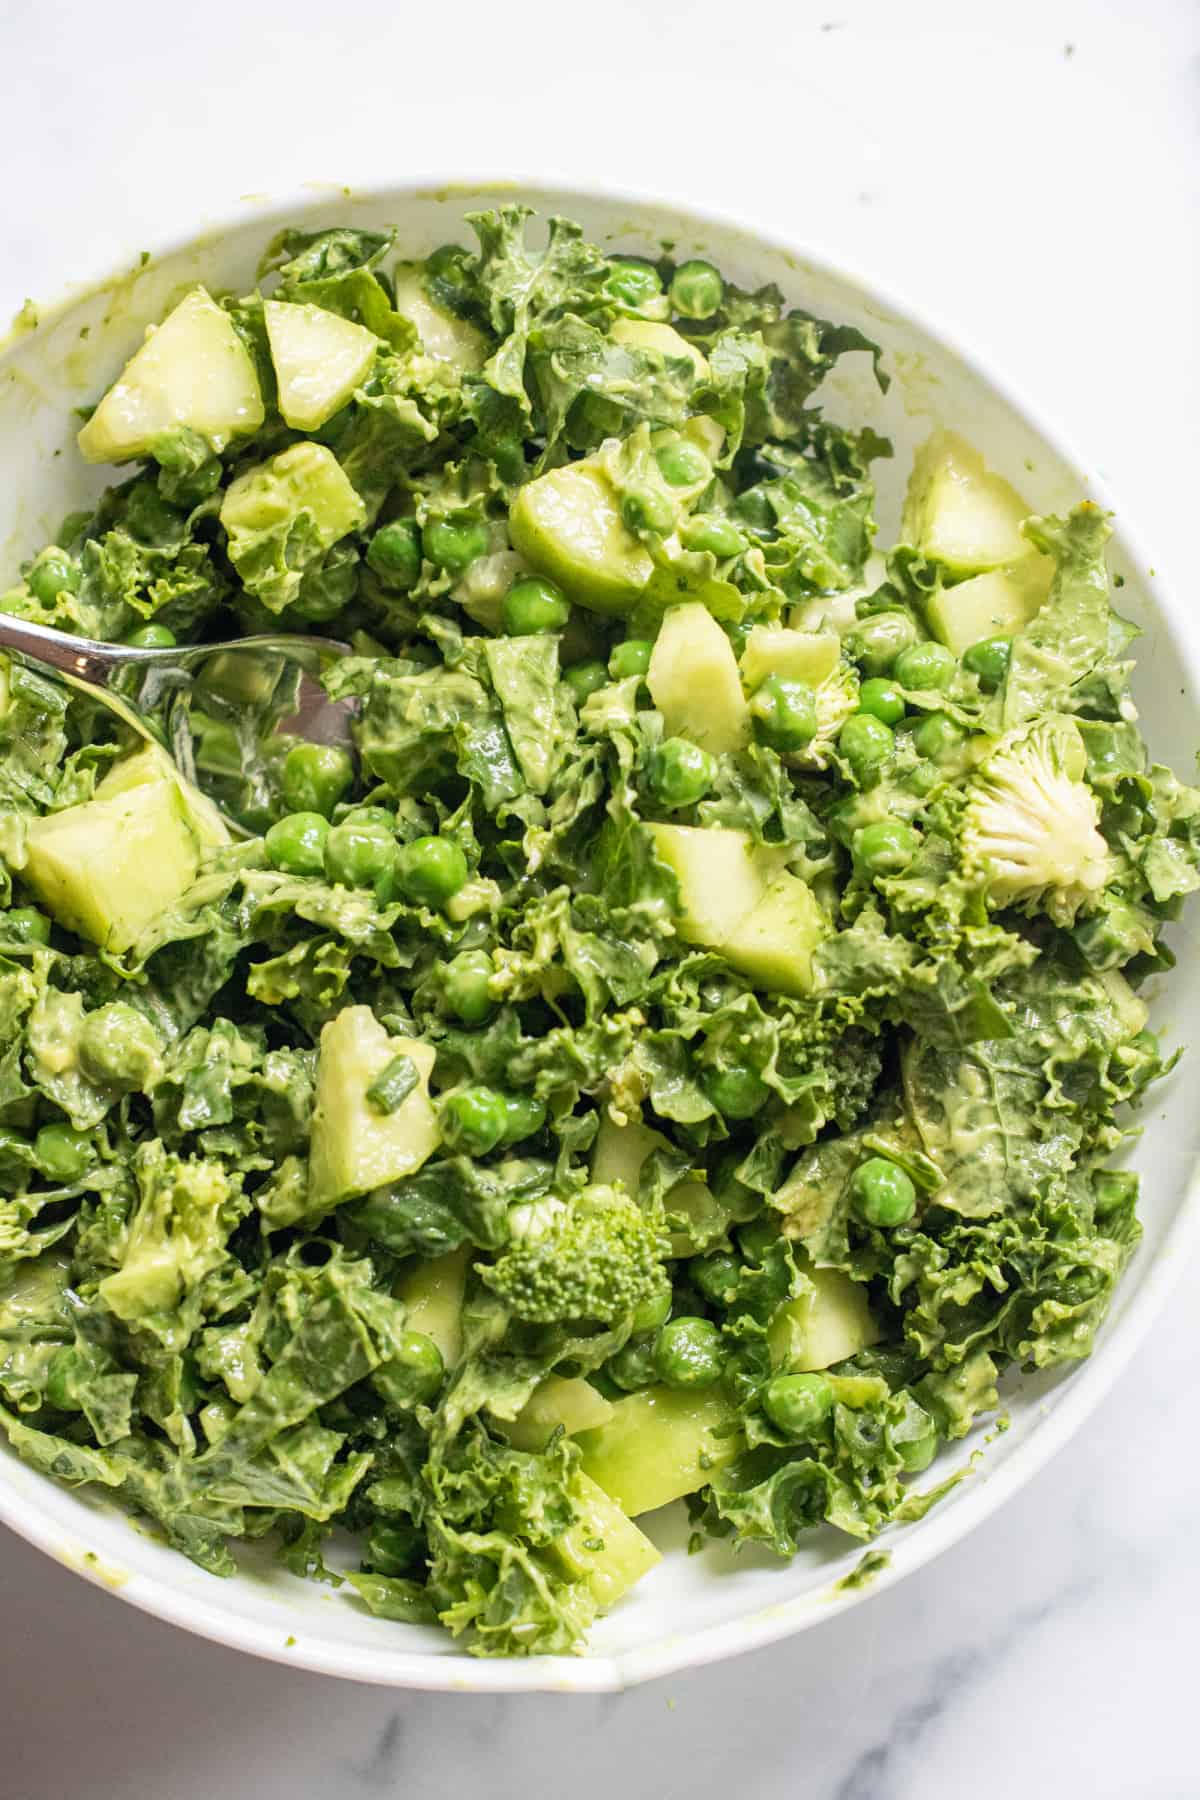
<point>245,692</point>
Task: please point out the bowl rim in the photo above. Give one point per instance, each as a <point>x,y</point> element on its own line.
<point>913,1546</point>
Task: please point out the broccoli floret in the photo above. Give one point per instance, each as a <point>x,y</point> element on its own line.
<point>598,1258</point>
<point>1031,825</point>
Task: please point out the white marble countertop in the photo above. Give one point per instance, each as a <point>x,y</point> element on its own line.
<point>1028,174</point>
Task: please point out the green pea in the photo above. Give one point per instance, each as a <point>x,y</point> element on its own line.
<point>881,1193</point>
<point>431,871</point>
<point>633,1366</point>
<point>682,465</point>
<point>630,657</point>
<point>697,289</point>
<point>885,847</point>
<point>719,537</point>
<point>51,575</point>
<point>62,1379</point>
<point>118,1046</point>
<point>361,856</point>
<point>315,778</point>
<point>687,1353</point>
<point>474,1119</point>
<point>938,737</point>
<point>392,1548</point>
<point>25,925</point>
<point>644,509</point>
<point>798,1405</point>
<point>784,713</point>
<point>655,1311</point>
<point>296,844</point>
<point>757,1237</point>
<point>466,986</point>
<point>736,1093</point>
<point>925,667</point>
<point>413,1373</point>
<point>882,699</point>
<point>584,679</point>
<point>395,553</point>
<point>524,1117</point>
<point>151,637</point>
<point>866,743</point>
<point>631,281</point>
<point>717,1276</point>
<point>680,773</point>
<point>63,1152</point>
<point>988,660</point>
<point>370,818</point>
<point>454,543</point>
<point>533,606</point>
<point>877,641</point>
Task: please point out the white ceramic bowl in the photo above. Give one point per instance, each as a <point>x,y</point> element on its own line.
<point>692,1609</point>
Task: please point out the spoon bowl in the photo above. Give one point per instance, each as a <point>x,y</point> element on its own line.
<point>226,713</point>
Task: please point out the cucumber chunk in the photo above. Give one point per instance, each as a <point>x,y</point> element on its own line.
<point>568,525</point>
<point>109,868</point>
<point>809,656</point>
<point>603,1547</point>
<point>574,1404</point>
<point>958,513</point>
<point>824,1327</point>
<point>193,372</point>
<point>433,1296</point>
<point>319,360</point>
<point>997,604</point>
<point>722,876</point>
<point>660,1444</point>
<point>774,943</point>
<point>443,335</point>
<point>694,681</point>
<point>648,334</point>
<point>354,1147</point>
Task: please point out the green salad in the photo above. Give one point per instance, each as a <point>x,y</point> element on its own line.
<point>684,1053</point>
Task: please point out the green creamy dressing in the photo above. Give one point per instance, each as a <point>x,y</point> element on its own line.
<point>685,1051</point>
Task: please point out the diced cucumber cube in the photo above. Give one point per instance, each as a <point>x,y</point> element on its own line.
<point>572,1403</point>
<point>354,1147</point>
<point>660,1444</point>
<point>825,1326</point>
<point>774,943</point>
<point>997,604</point>
<point>319,357</point>
<point>603,1547</point>
<point>433,1297</point>
<point>648,334</point>
<point>694,681</point>
<point>443,335</point>
<point>193,371</point>
<point>809,656</point>
<point>960,514</point>
<point>568,525</point>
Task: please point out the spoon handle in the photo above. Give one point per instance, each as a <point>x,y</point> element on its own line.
<point>82,658</point>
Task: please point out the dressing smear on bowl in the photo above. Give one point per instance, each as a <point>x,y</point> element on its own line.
<point>685,1053</point>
